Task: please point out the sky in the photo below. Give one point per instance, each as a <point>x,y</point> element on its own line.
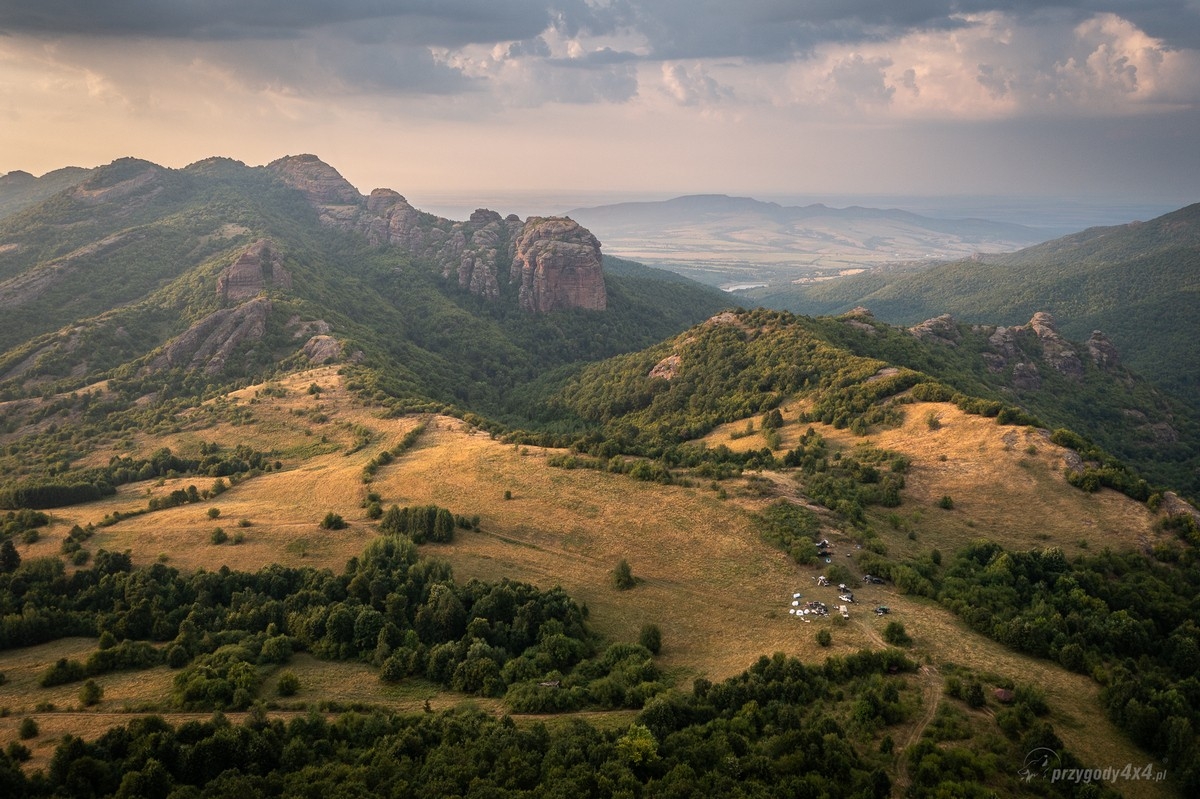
<point>605,98</point>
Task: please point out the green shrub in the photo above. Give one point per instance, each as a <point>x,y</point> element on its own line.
<point>28,728</point>
<point>289,684</point>
<point>623,577</point>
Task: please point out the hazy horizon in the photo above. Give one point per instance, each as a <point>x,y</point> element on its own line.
<point>1062,214</point>
<point>754,97</point>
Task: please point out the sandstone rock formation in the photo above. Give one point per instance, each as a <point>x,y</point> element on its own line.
<point>940,328</point>
<point>557,263</point>
<point>554,263</point>
<point>209,343</point>
<point>667,368</point>
<point>1104,354</point>
<point>320,183</point>
<point>322,349</point>
<point>257,268</point>
<point>1056,350</point>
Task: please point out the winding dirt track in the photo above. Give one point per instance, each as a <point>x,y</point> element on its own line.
<point>932,689</point>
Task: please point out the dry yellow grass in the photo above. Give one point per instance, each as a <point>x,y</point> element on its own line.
<point>717,592</point>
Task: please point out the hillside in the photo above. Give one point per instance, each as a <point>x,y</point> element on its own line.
<point>729,241</point>
<point>20,190</point>
<point>217,273</point>
<point>375,487</point>
<point>708,576</point>
<point>1139,283</point>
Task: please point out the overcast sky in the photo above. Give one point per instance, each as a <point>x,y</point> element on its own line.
<point>1074,98</point>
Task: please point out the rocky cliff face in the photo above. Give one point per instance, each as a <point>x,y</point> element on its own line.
<point>209,343</point>
<point>1008,348</point>
<point>554,263</point>
<point>557,264</point>
<point>255,269</point>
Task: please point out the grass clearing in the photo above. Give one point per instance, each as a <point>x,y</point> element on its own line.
<point>717,592</point>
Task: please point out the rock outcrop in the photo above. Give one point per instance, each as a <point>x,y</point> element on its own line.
<point>1104,354</point>
<point>322,349</point>
<point>1056,350</point>
<point>256,269</point>
<point>860,318</point>
<point>667,368</point>
<point>554,263</point>
<point>320,183</point>
<point>1008,346</point>
<point>557,264</point>
<point>209,343</point>
<point>940,328</point>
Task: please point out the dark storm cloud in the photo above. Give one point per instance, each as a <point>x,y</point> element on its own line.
<point>780,29</point>
<point>430,22</point>
<point>1176,22</point>
<point>760,29</point>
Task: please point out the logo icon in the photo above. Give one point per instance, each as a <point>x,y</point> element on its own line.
<point>1039,763</point>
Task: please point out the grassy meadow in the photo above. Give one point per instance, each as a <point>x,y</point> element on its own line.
<point>718,593</point>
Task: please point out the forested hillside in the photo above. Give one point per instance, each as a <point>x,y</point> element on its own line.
<point>432,515</point>
<point>164,286</point>
<point>1139,283</point>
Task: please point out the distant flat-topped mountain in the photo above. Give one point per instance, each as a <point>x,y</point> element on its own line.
<point>736,240</point>
<point>1139,283</point>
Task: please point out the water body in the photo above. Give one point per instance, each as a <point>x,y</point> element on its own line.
<point>1056,216</point>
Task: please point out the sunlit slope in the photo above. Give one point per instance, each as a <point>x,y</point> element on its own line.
<point>719,593</point>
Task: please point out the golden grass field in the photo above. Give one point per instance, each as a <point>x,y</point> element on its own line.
<point>719,594</point>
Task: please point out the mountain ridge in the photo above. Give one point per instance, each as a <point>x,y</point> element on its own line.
<point>1138,282</point>
<point>722,239</point>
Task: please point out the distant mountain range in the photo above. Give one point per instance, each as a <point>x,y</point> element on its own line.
<point>730,241</point>
<point>1139,283</point>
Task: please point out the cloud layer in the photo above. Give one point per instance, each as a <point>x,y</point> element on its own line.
<point>724,64</point>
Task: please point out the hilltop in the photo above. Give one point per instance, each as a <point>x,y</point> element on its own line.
<point>220,273</point>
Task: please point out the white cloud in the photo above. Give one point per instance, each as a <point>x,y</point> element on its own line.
<point>999,66</point>
<point>693,85</point>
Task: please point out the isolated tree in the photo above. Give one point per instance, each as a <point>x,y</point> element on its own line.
<point>333,521</point>
<point>651,638</point>
<point>289,684</point>
<point>623,577</point>
<point>28,728</point>
<point>896,635</point>
<point>90,693</point>
<point>824,637</point>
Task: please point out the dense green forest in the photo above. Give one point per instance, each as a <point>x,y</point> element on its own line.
<point>1126,619</point>
<point>781,726</point>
